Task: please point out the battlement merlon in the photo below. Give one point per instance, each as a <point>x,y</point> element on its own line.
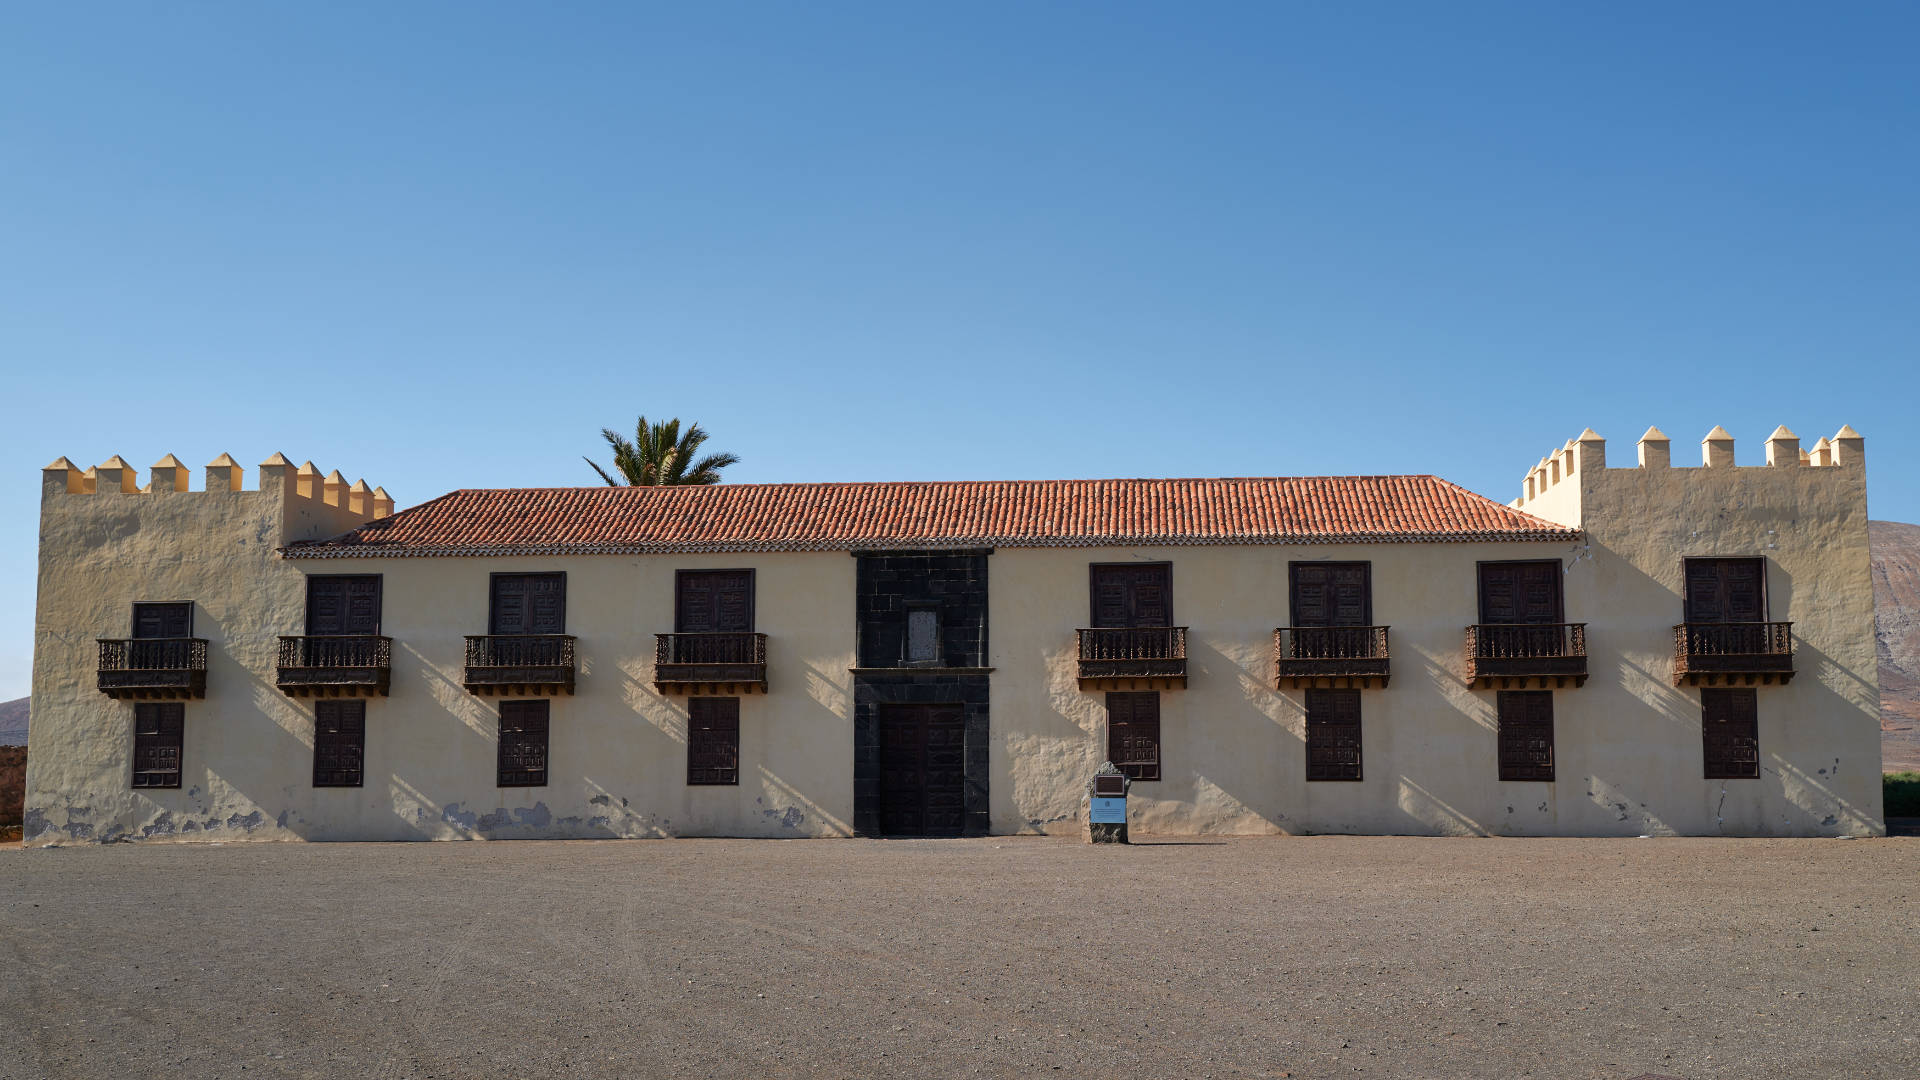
<point>224,475</point>
<point>1560,484</point>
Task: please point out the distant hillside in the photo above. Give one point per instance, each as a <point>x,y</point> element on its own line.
<point>1896,603</point>
<point>13,722</point>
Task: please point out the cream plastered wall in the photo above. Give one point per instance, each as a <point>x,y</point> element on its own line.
<point>1820,734</point>
<point>617,749</point>
<point>617,762</point>
<point>99,554</point>
<point>1628,743</point>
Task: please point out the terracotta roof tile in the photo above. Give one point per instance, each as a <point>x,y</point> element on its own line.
<point>1020,513</point>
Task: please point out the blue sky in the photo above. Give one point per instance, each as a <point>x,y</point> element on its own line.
<point>443,245</point>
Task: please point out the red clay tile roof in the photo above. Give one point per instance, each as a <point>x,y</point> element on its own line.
<point>1018,513</point>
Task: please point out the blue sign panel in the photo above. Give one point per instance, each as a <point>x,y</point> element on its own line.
<point>1109,812</point>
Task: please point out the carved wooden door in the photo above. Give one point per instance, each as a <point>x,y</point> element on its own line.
<point>1133,732</point>
<point>1726,590</point>
<point>1730,719</point>
<point>1129,594</point>
<point>528,604</point>
<point>713,602</point>
<point>343,605</point>
<point>922,770</point>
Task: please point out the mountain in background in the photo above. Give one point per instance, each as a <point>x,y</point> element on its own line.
<point>1896,602</point>
<point>13,722</point>
<point>1896,605</point>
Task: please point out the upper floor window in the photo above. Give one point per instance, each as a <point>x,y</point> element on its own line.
<point>1132,594</point>
<point>340,604</point>
<point>1726,590</point>
<point>169,620</point>
<point>1331,593</point>
<point>528,604</point>
<point>1521,592</point>
<point>923,635</point>
<point>713,602</point>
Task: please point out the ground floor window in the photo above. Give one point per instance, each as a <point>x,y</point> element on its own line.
<point>713,740</point>
<point>1133,733</point>
<point>339,743</point>
<point>523,744</point>
<point>1526,734</point>
<point>1730,723</point>
<point>158,728</point>
<point>1333,734</point>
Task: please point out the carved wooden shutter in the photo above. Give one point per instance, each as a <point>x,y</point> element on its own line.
<point>714,602</point>
<point>1332,594</point>
<point>1128,595</point>
<point>523,744</point>
<point>1526,592</point>
<point>1730,720</point>
<point>1133,733</point>
<point>713,740</point>
<point>1726,590</point>
<point>159,728</point>
<point>339,743</point>
<point>162,620</point>
<point>529,604</point>
<point>343,605</point>
<point>1526,734</point>
<point>1333,734</point>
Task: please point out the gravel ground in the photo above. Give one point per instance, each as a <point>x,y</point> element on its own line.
<point>1302,957</point>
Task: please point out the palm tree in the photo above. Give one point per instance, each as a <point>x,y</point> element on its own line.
<point>660,454</point>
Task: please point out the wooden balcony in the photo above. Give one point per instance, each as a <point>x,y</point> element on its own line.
<point>710,663</point>
<point>1338,657</point>
<point>347,665</point>
<point>1747,652</point>
<point>153,667</point>
<point>1133,658</point>
<point>519,664</point>
<point>1517,655</point>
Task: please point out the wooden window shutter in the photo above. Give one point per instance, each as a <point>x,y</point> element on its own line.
<point>343,605</point>
<point>1133,733</point>
<point>1332,594</point>
<point>163,620</point>
<point>1726,590</point>
<point>1333,735</point>
<point>159,729</point>
<point>339,743</point>
<point>528,604</point>
<point>523,744</point>
<point>1730,730</point>
<point>1526,734</point>
<point>713,740</point>
<point>1520,592</point>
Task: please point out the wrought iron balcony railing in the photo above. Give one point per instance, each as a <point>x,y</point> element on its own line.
<point>1116,655</point>
<point>1505,653</point>
<point>1745,651</point>
<point>335,664</point>
<point>716,663</point>
<point>153,667</point>
<point>519,663</point>
<point>1324,655</point>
